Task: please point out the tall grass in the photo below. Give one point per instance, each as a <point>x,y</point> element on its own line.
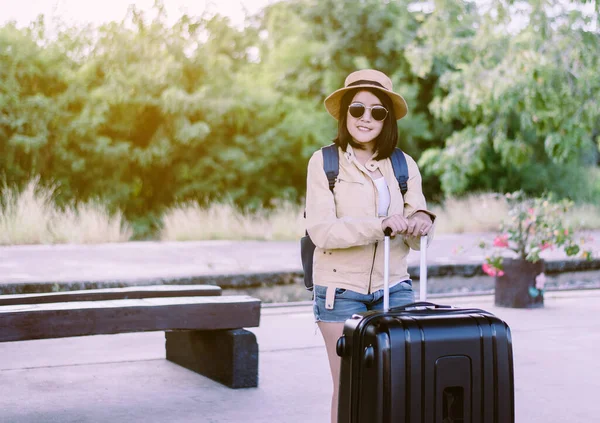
<point>485,213</point>
<point>473,213</point>
<point>584,216</point>
<point>31,217</point>
<point>224,221</point>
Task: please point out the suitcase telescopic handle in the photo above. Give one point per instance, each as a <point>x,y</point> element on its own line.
<point>386,269</point>
<point>423,270</point>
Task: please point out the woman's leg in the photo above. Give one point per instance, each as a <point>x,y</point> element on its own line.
<point>331,325</point>
<point>331,333</point>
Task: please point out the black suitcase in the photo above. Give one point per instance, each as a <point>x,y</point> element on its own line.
<point>425,363</point>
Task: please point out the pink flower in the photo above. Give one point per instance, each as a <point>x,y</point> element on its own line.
<point>490,270</point>
<point>501,241</point>
<point>540,281</point>
<point>545,246</point>
<point>566,232</point>
<point>487,269</point>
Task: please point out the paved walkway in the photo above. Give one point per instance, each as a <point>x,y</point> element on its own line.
<point>124,378</point>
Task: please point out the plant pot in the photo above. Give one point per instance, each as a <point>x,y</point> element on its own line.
<point>516,288</point>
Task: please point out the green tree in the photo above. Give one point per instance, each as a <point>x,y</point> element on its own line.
<point>33,78</point>
<point>311,46</point>
<point>519,99</point>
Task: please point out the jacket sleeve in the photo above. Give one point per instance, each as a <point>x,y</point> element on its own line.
<point>414,201</point>
<point>326,230</point>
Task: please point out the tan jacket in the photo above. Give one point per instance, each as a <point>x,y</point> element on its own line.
<point>345,226</point>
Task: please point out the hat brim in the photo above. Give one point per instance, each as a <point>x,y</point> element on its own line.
<point>333,101</point>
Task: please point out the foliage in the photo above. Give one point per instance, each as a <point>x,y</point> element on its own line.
<point>517,97</point>
<point>533,225</point>
<point>32,80</point>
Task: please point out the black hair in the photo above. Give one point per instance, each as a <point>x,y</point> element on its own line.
<point>385,142</point>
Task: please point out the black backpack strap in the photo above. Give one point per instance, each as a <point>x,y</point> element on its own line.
<point>400,169</point>
<point>331,164</point>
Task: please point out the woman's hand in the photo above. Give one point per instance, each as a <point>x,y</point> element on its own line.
<point>397,223</point>
<point>418,224</point>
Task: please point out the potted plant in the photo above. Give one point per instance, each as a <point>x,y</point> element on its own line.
<point>533,225</point>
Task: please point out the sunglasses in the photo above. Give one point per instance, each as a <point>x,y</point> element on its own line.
<point>378,113</point>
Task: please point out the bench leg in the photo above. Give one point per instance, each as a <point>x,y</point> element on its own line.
<point>227,356</point>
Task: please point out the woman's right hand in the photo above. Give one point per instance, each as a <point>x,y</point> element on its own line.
<point>397,223</point>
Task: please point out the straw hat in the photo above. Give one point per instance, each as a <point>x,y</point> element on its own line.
<point>366,78</point>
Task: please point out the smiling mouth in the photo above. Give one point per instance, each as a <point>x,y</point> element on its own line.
<point>363,128</point>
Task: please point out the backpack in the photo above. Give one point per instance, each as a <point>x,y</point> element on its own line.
<point>331,167</point>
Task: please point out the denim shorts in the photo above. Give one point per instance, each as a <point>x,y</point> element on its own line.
<point>348,302</point>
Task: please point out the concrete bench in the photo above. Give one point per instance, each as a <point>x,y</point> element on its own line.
<point>204,330</point>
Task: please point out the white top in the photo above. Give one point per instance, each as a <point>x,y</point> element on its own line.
<point>384,196</point>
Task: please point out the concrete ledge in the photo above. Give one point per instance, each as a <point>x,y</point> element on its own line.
<point>244,280</point>
<point>474,269</point>
<point>267,279</point>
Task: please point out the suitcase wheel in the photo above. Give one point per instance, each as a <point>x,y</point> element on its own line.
<point>340,347</point>
<point>369,356</point>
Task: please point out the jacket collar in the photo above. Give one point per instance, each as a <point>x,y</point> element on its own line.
<point>371,164</point>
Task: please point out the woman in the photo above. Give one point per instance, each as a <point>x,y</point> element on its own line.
<point>347,226</point>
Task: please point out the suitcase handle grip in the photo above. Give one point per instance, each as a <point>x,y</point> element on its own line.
<point>420,304</point>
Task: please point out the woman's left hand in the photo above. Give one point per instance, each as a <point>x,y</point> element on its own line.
<point>419,224</point>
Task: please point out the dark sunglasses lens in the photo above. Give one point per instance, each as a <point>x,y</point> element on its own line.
<point>356,110</point>
<point>378,113</point>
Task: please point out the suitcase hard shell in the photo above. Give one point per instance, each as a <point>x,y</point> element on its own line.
<point>428,364</point>
<point>431,365</point>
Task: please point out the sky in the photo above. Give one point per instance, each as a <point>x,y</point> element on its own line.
<point>100,11</point>
<point>86,11</point>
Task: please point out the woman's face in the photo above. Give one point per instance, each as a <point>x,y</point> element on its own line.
<point>365,129</point>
